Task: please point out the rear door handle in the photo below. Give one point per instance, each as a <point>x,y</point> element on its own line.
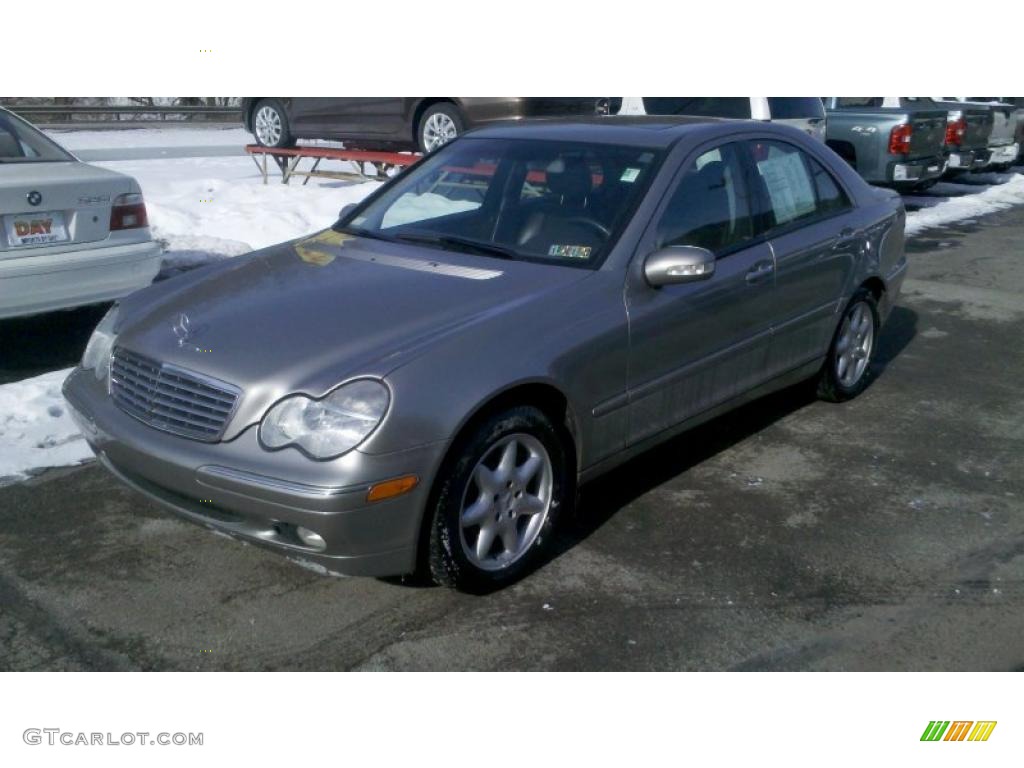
<point>759,271</point>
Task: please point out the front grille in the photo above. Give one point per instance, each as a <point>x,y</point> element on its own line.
<point>170,398</point>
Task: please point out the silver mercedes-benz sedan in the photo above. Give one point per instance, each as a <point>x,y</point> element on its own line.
<point>423,386</point>
<point>70,233</point>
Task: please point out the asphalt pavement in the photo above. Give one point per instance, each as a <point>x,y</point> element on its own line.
<point>884,533</point>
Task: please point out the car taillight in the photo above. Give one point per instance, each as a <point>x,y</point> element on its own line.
<point>128,212</point>
<point>955,131</point>
<point>899,139</point>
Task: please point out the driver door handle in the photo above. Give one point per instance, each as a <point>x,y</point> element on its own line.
<point>760,271</point>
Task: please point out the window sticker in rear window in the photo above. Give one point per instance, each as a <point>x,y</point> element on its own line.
<point>630,175</point>
<point>570,251</point>
<point>789,186</point>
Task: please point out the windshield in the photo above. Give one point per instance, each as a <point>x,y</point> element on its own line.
<point>550,201</point>
<point>21,143</point>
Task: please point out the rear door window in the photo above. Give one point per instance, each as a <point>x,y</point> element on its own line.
<point>790,108</point>
<point>711,207</point>
<point>786,182</point>
<point>702,106</point>
<point>795,187</point>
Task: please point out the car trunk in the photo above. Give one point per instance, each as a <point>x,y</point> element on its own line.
<point>55,204</point>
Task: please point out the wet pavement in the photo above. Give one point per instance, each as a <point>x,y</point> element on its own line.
<point>884,533</point>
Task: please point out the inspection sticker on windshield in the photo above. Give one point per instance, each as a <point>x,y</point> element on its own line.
<point>570,251</point>
<point>630,175</point>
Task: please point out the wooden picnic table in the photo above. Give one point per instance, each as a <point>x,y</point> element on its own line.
<point>287,160</point>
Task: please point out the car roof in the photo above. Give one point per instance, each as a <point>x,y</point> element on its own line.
<point>653,131</point>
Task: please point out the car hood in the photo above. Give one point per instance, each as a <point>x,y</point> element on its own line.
<point>307,315</point>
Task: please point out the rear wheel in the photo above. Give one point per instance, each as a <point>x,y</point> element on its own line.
<point>439,124</point>
<point>847,366</point>
<point>498,501</point>
<point>270,124</point>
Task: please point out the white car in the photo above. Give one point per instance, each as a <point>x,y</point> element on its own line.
<point>805,113</point>
<point>71,234</point>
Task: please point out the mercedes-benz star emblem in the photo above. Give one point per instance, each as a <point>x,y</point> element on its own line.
<point>182,329</point>
<point>34,198</point>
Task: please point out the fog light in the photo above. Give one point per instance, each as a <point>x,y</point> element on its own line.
<point>311,539</point>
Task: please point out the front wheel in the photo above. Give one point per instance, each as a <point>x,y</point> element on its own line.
<point>270,125</point>
<point>498,501</point>
<point>846,372</point>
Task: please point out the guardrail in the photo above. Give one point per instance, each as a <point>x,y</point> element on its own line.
<point>133,116</point>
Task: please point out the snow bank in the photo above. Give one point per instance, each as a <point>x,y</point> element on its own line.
<point>36,429</point>
<point>1003,191</point>
<point>204,209</point>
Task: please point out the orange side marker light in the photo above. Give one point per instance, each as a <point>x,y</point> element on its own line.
<point>391,488</point>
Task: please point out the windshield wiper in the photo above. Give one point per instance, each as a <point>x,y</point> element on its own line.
<point>362,232</point>
<point>454,242</point>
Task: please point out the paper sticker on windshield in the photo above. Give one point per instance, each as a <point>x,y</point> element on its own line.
<point>316,250</point>
<point>570,251</point>
<point>629,175</point>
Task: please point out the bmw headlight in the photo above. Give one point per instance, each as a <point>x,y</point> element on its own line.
<point>97,352</point>
<point>330,426</point>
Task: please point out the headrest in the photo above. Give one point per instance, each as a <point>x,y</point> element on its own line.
<point>570,177</point>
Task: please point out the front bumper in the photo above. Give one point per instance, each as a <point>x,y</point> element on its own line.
<point>32,284</point>
<point>264,497</point>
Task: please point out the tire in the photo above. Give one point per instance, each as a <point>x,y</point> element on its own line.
<point>922,186</point>
<point>464,493</point>
<point>270,124</point>
<point>437,126</point>
<point>837,382</point>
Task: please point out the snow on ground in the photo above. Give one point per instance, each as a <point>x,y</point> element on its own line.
<point>203,209</point>
<point>174,136</point>
<point>1002,191</point>
<point>35,428</point>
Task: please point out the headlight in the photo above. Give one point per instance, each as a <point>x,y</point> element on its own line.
<point>97,352</point>
<point>328,427</point>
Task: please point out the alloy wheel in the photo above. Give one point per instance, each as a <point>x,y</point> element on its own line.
<point>506,502</point>
<point>438,129</point>
<point>268,126</point>
<point>854,346</point>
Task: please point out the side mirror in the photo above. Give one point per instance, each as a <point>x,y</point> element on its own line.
<point>345,210</point>
<point>678,264</point>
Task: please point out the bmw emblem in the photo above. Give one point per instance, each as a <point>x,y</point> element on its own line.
<point>34,198</point>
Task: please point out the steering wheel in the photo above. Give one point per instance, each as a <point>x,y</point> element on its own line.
<point>593,224</point>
